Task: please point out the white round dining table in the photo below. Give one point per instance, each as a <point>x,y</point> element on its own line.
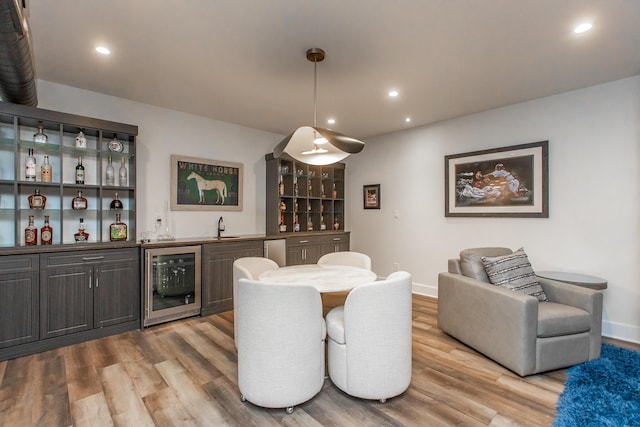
<point>323,277</point>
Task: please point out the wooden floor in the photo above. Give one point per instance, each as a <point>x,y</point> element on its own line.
<point>184,373</point>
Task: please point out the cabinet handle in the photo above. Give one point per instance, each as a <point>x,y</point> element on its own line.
<point>92,258</point>
<point>97,273</point>
<point>90,276</point>
<point>336,239</point>
<point>304,241</point>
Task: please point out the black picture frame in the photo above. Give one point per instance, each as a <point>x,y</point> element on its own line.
<point>500,182</point>
<point>371,196</point>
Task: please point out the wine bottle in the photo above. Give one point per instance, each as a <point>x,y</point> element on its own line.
<point>45,170</point>
<point>79,171</point>
<point>46,232</point>
<point>30,167</point>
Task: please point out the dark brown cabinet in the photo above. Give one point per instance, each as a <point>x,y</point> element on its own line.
<point>80,291</point>
<point>307,249</point>
<point>302,197</point>
<point>217,272</point>
<point>18,299</point>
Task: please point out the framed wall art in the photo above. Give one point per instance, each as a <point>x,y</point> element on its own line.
<point>371,196</point>
<point>501,182</point>
<point>201,184</point>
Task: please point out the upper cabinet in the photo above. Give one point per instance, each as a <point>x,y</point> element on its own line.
<point>77,172</point>
<point>302,197</point>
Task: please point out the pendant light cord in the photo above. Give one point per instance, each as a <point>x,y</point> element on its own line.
<point>315,67</point>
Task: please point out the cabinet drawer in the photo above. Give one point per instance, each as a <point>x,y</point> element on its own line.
<point>84,257</point>
<point>17,263</point>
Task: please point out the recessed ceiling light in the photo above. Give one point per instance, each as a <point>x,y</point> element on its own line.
<point>584,27</point>
<point>407,119</point>
<point>103,50</point>
<point>393,93</point>
<point>331,121</point>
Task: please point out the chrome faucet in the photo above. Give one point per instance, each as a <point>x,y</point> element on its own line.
<point>220,227</point>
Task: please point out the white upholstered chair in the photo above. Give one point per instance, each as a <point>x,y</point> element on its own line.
<point>354,259</point>
<point>281,335</point>
<point>248,268</point>
<point>370,339</point>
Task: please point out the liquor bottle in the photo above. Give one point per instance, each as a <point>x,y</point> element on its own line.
<point>281,187</point>
<point>309,224</point>
<point>37,200</point>
<point>323,226</point>
<point>283,226</point>
<point>81,140</point>
<point>79,171</point>
<point>30,233</point>
<point>322,190</point>
<point>295,186</point>
<point>40,136</point>
<point>310,189</point>
<point>30,167</point>
<point>282,206</point>
<point>81,236</point>
<point>296,225</point>
<point>335,192</point>
<point>118,230</point>
<point>79,202</point>
<point>110,173</point>
<point>116,203</point>
<point>122,173</point>
<point>45,170</point>
<point>295,206</point>
<point>46,232</point>
<point>336,224</point>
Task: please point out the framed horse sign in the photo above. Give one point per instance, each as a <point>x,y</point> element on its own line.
<point>201,184</point>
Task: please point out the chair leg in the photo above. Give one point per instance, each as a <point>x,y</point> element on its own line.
<point>383,400</point>
<point>290,410</point>
<point>242,398</point>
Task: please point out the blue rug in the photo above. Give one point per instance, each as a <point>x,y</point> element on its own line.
<point>602,392</point>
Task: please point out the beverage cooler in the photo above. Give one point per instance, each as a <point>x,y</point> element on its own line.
<point>171,284</point>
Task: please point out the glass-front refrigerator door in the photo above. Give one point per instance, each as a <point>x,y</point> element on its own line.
<point>172,283</point>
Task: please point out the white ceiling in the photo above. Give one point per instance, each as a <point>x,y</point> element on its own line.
<point>243,61</point>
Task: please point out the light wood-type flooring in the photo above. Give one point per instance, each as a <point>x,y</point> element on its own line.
<point>184,373</point>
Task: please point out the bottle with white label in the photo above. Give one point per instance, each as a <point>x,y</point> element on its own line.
<point>122,175</point>
<point>45,170</point>
<point>79,172</point>
<point>110,173</point>
<point>30,167</point>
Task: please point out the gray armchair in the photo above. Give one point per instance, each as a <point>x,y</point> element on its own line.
<point>514,329</point>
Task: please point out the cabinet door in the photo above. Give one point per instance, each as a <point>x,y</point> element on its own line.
<point>18,300</point>
<point>335,243</point>
<point>116,292</point>
<point>217,273</point>
<point>66,300</point>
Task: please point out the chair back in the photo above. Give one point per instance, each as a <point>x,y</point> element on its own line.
<point>377,321</point>
<point>248,268</point>
<point>281,335</point>
<point>353,259</point>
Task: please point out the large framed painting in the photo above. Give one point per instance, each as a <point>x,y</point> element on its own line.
<point>501,182</point>
<point>201,184</point>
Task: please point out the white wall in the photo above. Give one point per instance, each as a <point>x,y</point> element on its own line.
<point>164,132</point>
<point>594,137</point>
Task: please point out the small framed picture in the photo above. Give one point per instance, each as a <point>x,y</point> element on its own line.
<point>371,196</point>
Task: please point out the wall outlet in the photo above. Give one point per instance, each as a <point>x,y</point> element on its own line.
<point>396,266</point>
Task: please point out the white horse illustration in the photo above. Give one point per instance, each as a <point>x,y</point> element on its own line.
<point>206,185</point>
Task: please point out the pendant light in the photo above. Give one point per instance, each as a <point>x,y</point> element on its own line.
<point>314,145</point>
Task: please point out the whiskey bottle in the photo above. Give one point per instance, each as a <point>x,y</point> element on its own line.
<point>335,192</point>
<point>30,233</point>
<point>122,173</point>
<point>281,187</point>
<point>310,189</point>
<point>282,206</point>
<point>110,173</point>
<point>323,194</point>
<point>323,226</point>
<point>282,226</point>
<point>295,186</point>
<point>37,200</point>
<point>116,203</point>
<point>309,224</point>
<point>118,230</point>
<point>81,236</point>
<point>79,171</point>
<point>296,225</point>
<point>46,232</point>
<point>81,140</point>
<point>79,202</point>
<point>45,170</point>
<point>30,167</point>
<point>336,224</point>
<point>40,136</point>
